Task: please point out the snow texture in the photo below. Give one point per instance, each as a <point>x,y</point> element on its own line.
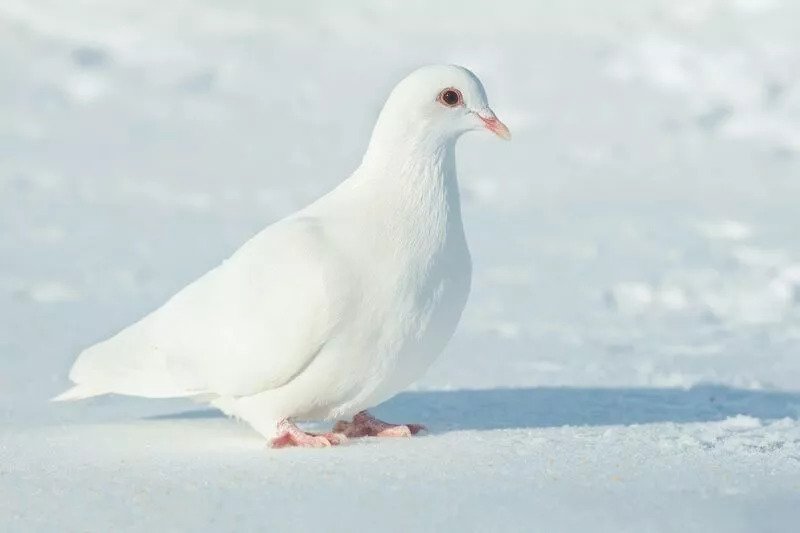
<point>630,356</point>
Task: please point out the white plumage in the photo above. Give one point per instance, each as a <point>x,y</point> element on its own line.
<point>337,307</point>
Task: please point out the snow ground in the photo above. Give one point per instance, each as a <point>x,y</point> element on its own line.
<point>629,358</point>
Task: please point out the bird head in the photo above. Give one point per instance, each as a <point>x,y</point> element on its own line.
<point>436,104</point>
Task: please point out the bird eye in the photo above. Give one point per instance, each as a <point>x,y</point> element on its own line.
<point>450,97</point>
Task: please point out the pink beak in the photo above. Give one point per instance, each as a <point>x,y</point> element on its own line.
<point>493,124</point>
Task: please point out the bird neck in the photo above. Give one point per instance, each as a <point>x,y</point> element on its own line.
<point>400,137</point>
<point>418,169</point>
<point>413,193</point>
<point>409,175</point>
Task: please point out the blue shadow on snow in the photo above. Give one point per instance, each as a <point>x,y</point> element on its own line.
<point>509,408</point>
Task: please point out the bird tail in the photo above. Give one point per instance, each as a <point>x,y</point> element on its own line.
<point>78,392</point>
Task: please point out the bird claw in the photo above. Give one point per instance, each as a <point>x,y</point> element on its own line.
<point>363,425</point>
<point>289,436</point>
<point>366,425</point>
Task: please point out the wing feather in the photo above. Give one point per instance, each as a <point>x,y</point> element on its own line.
<point>250,325</point>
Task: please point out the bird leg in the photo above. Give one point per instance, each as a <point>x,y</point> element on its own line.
<point>366,425</point>
<point>290,435</point>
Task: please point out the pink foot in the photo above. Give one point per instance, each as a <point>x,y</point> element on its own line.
<point>289,435</point>
<point>366,425</point>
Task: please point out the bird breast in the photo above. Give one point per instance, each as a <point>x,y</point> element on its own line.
<point>418,287</point>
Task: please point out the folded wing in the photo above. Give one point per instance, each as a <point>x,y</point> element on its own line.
<point>250,325</point>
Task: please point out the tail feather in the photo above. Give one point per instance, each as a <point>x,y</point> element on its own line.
<point>78,392</point>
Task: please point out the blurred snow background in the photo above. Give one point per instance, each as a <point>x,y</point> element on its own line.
<point>629,359</point>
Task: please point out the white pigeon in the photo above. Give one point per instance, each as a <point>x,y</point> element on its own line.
<point>333,309</point>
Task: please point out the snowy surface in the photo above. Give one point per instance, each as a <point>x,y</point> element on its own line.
<point>629,359</point>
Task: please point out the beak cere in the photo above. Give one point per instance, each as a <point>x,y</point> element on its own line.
<point>494,125</point>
